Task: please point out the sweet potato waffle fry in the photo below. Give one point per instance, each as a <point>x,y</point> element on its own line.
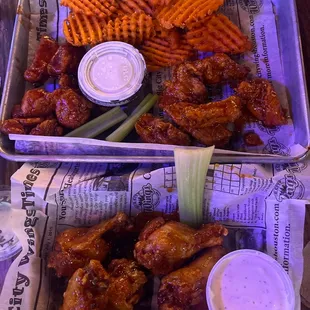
<point>158,52</point>
<point>133,29</point>
<point>99,8</point>
<point>216,33</point>
<point>158,3</point>
<point>171,35</point>
<point>80,29</point>
<point>180,13</point>
<point>128,7</point>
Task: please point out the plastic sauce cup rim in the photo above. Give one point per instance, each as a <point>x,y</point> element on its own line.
<point>119,48</point>
<point>287,282</point>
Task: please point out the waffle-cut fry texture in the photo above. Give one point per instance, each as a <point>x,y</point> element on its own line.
<point>159,3</point>
<point>98,8</point>
<point>173,36</point>
<point>80,29</point>
<point>159,53</point>
<point>133,29</point>
<point>128,7</point>
<point>218,34</point>
<point>180,13</point>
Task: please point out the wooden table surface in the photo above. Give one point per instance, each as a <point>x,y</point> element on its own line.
<point>7,15</point>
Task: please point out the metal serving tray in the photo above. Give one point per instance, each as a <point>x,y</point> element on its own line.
<point>292,60</point>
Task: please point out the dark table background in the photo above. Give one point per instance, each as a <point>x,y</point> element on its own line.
<point>7,16</point>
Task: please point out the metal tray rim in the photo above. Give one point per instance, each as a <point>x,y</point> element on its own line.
<point>147,159</point>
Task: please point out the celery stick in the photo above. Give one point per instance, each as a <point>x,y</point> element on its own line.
<point>123,130</point>
<point>191,169</point>
<point>99,124</point>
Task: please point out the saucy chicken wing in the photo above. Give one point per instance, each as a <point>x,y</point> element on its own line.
<point>36,103</point>
<point>47,128</point>
<point>154,130</point>
<point>186,85</point>
<point>66,60</point>
<point>68,81</point>
<point>185,288</point>
<point>75,247</point>
<point>37,71</point>
<point>20,125</point>
<point>12,126</point>
<point>72,109</point>
<point>17,111</point>
<point>262,101</point>
<point>87,288</point>
<point>205,121</point>
<point>189,79</point>
<point>126,284</point>
<point>165,246</point>
<point>220,68</point>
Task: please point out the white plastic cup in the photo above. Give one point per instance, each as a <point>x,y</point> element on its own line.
<point>9,243</point>
<point>112,73</point>
<point>222,286</point>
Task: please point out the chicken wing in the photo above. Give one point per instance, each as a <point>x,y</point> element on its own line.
<point>12,126</point>
<point>37,72</point>
<point>17,111</point>
<point>220,68</point>
<point>36,103</point>
<point>205,121</point>
<point>20,125</point>
<point>47,128</point>
<point>217,135</point>
<point>188,78</point>
<point>68,81</point>
<point>185,85</point>
<point>66,60</point>
<point>72,109</point>
<point>212,70</point>
<point>164,247</point>
<point>126,284</point>
<point>262,101</point>
<point>155,130</point>
<point>184,288</point>
<point>87,288</point>
<point>75,247</point>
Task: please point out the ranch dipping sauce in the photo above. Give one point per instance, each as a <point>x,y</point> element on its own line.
<point>249,280</point>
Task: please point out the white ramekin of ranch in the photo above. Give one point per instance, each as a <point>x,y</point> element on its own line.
<point>249,280</point>
<point>112,73</point>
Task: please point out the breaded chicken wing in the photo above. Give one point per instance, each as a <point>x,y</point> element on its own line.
<point>205,121</point>
<point>262,101</point>
<point>164,247</point>
<point>37,71</point>
<point>188,79</point>
<point>66,60</point>
<point>72,109</point>
<point>220,68</point>
<point>185,288</point>
<point>47,128</point>
<point>12,126</point>
<point>186,84</point>
<point>36,103</point>
<point>87,288</point>
<point>155,130</point>
<point>75,247</point>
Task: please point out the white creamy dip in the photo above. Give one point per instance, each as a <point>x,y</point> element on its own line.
<point>249,280</point>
